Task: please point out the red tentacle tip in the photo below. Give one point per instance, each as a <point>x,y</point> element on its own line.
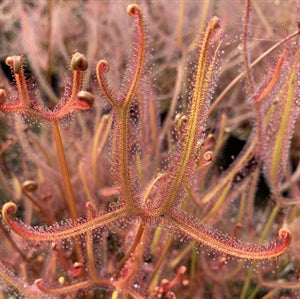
<point>285,234</point>
<point>133,10</point>
<point>8,208</point>
<point>103,66</point>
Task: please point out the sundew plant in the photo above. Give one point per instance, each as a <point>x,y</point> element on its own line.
<point>149,149</point>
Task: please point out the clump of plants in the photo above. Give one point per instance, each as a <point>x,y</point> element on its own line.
<point>123,188</point>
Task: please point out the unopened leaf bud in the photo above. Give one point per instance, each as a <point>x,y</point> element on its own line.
<point>79,62</point>
<point>86,96</point>
<point>29,186</point>
<point>15,62</point>
<point>78,265</point>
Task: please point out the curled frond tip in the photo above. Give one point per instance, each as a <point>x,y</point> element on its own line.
<point>8,208</point>
<point>133,9</point>
<point>285,234</point>
<point>103,66</point>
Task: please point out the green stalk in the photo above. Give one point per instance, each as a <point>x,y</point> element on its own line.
<point>66,178</point>
<point>64,169</point>
<point>261,240</point>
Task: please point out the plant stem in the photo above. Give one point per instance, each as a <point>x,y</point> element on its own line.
<point>66,178</point>
<point>261,240</point>
<point>156,271</point>
<point>64,169</point>
<point>137,240</point>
